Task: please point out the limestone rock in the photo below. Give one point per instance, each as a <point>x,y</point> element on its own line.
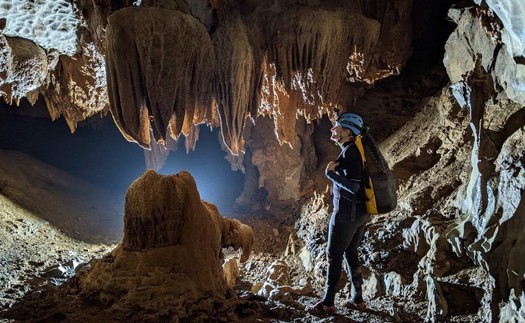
<point>393,283</point>
<point>231,272</point>
<point>49,24</point>
<point>283,171</point>
<point>463,45</point>
<point>282,59</point>
<point>171,252</point>
<point>307,48</point>
<point>237,73</point>
<point>277,285</point>
<point>511,15</point>
<point>160,65</point>
<point>23,68</point>
<point>77,87</point>
<point>437,304</point>
<point>506,259</point>
<point>513,310</point>
<point>373,287</point>
<point>469,41</point>
<point>279,60</point>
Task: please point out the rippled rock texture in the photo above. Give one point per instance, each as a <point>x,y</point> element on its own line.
<point>170,257</point>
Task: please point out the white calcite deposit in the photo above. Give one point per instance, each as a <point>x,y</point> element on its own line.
<point>49,23</point>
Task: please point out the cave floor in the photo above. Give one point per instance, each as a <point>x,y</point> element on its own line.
<point>38,281</point>
<point>52,226</point>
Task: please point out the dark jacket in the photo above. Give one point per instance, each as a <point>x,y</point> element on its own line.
<point>347,178</point>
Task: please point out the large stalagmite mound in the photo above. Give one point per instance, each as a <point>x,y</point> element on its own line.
<point>170,258</point>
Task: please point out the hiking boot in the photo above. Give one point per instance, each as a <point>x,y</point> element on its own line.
<point>355,305</point>
<point>319,308</point>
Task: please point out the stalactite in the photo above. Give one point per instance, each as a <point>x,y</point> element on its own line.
<point>156,156</point>
<point>23,68</point>
<point>282,59</point>
<point>235,78</point>
<point>76,88</point>
<point>394,45</point>
<point>160,64</point>
<point>317,43</point>
<point>290,61</point>
<point>308,52</point>
<point>191,139</point>
<point>277,103</point>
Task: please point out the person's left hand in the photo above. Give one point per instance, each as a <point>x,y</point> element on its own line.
<point>331,166</point>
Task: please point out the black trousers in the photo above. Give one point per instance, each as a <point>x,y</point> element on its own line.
<point>344,237</point>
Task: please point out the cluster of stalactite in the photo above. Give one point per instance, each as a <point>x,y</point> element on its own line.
<point>151,82</point>
<point>171,68</point>
<point>72,86</point>
<point>172,65</point>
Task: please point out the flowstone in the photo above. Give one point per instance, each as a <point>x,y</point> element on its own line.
<point>170,259</point>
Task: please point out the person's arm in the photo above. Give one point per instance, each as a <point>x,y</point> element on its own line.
<point>350,185</point>
<point>350,164</point>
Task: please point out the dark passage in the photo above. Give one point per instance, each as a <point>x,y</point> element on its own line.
<point>97,153</point>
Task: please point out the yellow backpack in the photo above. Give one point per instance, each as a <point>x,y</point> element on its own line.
<point>379,182</point>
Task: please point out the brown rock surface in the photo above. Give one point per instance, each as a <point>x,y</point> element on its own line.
<point>170,256</point>
<point>160,64</point>
<point>76,88</point>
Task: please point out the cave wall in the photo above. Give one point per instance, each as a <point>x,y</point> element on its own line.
<point>486,72</point>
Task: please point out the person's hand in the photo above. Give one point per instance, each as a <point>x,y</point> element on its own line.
<point>331,166</point>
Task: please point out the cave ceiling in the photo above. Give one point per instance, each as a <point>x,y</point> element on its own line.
<point>163,67</point>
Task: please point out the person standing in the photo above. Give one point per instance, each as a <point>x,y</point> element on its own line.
<point>349,216</point>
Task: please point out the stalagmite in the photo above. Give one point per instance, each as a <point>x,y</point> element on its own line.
<point>170,256</point>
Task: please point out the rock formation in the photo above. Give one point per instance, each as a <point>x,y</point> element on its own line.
<point>77,88</point>
<point>249,52</point>
<point>23,67</point>
<point>170,256</point>
<point>160,64</point>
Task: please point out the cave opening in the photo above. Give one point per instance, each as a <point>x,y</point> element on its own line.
<point>97,153</point>
<point>216,181</point>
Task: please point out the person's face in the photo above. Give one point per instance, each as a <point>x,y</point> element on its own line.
<point>337,132</point>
